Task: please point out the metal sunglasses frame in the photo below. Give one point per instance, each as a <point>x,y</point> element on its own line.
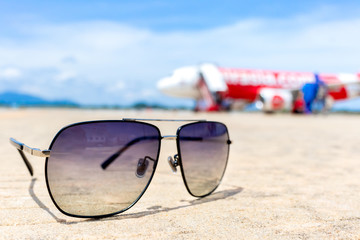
<point>22,148</point>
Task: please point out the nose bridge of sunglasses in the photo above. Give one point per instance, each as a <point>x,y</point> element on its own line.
<point>169,137</point>
<point>173,162</point>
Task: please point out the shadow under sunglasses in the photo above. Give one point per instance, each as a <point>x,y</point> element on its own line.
<point>220,195</point>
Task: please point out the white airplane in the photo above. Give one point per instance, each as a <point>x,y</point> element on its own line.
<point>216,88</point>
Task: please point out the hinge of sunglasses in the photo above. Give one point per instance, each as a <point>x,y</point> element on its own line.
<point>32,151</point>
<point>21,147</point>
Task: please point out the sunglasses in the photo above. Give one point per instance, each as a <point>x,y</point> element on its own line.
<point>102,168</point>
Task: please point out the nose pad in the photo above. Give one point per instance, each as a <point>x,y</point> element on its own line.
<point>173,163</point>
<point>141,167</point>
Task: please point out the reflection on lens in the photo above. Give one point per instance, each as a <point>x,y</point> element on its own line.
<point>204,149</point>
<point>101,168</point>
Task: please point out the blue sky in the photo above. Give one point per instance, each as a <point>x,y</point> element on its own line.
<point>113,52</point>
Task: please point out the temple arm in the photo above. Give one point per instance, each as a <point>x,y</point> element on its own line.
<point>202,139</point>
<point>113,157</point>
<point>21,147</point>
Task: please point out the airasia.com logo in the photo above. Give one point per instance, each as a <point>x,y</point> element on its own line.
<point>277,102</point>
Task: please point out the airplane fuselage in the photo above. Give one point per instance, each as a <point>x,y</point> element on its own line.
<point>207,80</point>
<point>246,84</point>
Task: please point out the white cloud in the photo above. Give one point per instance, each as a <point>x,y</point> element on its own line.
<point>65,76</point>
<point>148,93</point>
<point>84,61</point>
<point>10,73</point>
<point>116,87</point>
<point>119,86</point>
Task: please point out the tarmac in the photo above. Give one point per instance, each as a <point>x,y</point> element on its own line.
<point>288,177</point>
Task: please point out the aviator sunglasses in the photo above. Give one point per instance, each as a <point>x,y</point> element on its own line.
<point>102,168</point>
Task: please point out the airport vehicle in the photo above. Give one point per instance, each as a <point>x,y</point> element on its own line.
<point>217,88</point>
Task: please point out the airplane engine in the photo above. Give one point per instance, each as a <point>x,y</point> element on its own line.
<point>275,100</point>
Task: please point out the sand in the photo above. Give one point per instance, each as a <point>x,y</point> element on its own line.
<point>288,177</point>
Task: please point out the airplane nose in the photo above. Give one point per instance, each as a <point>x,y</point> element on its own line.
<point>177,87</point>
<point>164,85</point>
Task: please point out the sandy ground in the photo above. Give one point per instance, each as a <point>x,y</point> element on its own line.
<point>288,177</point>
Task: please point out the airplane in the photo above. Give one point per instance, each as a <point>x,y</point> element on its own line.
<point>217,88</point>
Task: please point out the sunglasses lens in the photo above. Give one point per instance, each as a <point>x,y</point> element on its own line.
<point>203,149</point>
<point>101,168</point>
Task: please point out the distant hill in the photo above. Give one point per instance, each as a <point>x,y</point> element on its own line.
<point>22,99</point>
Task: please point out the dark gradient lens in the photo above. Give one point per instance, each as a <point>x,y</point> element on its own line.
<point>101,168</point>
<point>203,149</point>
